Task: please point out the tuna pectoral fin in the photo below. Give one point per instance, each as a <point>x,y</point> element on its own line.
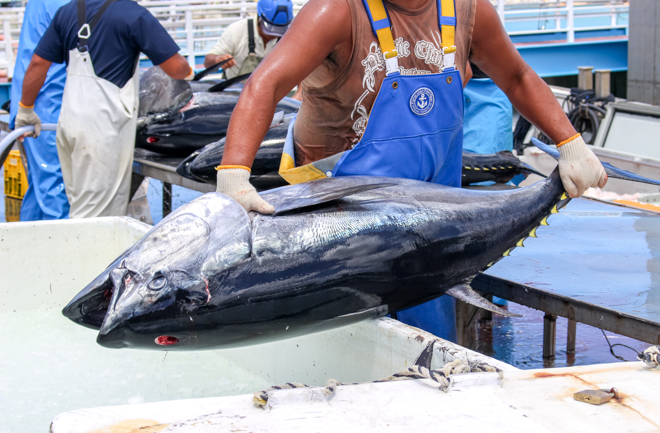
<point>465,293</point>
<point>320,191</point>
<point>611,170</point>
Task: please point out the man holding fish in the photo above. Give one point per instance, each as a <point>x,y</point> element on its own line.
<point>383,96</point>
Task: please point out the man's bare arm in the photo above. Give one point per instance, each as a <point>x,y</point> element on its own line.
<point>318,29</point>
<point>494,53</point>
<point>176,67</point>
<point>34,79</point>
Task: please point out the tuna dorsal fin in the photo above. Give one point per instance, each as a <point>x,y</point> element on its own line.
<point>465,293</point>
<point>320,191</point>
<point>424,359</point>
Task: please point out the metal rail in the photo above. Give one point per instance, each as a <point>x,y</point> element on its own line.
<point>574,310</point>
<point>196,27</point>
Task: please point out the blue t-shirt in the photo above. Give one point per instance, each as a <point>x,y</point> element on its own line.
<point>125,30</point>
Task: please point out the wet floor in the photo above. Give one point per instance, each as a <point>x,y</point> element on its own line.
<point>519,341</point>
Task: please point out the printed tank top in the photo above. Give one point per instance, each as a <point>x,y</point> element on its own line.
<point>333,118</point>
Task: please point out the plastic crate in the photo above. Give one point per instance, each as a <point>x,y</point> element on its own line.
<point>13,209</point>
<point>16,182</point>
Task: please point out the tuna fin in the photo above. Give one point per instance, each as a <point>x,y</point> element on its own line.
<point>611,170</point>
<point>230,82</point>
<point>320,191</point>
<point>465,293</point>
<point>209,70</point>
<point>526,168</point>
<point>424,359</point>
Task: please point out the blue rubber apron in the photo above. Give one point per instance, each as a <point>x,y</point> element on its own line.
<point>414,131</point>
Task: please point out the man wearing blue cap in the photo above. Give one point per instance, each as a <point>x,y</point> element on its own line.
<point>238,42</point>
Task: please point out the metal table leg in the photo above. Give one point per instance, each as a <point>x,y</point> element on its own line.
<point>571,335</point>
<point>549,334</point>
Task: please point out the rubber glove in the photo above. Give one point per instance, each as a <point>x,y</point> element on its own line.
<point>234,181</point>
<point>27,116</point>
<point>579,168</point>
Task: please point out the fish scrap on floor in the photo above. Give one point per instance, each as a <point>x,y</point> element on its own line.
<point>336,251</point>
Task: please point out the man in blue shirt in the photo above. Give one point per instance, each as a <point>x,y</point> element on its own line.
<point>45,197</point>
<point>100,41</point>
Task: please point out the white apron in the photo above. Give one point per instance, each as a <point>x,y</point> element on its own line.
<point>96,139</point>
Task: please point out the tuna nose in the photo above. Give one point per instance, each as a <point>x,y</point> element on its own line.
<point>112,339</point>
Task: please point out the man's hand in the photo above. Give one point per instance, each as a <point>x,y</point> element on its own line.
<point>26,116</point>
<point>579,168</point>
<point>234,181</point>
<point>212,59</point>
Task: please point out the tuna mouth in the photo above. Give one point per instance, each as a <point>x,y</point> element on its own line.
<point>166,340</point>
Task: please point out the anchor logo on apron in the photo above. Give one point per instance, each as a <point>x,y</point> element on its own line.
<point>422,101</point>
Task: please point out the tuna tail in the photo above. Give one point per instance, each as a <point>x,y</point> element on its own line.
<point>611,170</point>
<point>465,293</point>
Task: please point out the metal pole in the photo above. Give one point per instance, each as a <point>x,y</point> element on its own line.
<point>557,20</point>
<point>586,77</point>
<point>613,14</point>
<point>549,334</point>
<point>570,336</point>
<point>190,43</point>
<point>570,24</point>
<point>603,83</point>
<point>500,10</point>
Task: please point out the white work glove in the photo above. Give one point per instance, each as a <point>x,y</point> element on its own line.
<point>234,181</point>
<point>579,168</point>
<point>26,116</point>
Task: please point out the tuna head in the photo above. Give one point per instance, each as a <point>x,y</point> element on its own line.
<point>163,279</point>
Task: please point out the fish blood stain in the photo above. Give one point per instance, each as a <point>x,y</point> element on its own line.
<point>166,340</point>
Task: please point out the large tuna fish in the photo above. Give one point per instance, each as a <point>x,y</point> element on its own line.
<point>177,119</point>
<point>336,251</point>
<point>200,165</point>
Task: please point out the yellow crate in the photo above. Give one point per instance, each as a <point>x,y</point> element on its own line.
<point>13,209</point>
<point>16,182</point>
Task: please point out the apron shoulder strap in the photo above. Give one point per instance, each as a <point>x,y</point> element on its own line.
<point>251,44</point>
<point>380,25</point>
<point>85,29</point>
<point>447,18</point>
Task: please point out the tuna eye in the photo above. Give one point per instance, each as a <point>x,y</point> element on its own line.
<point>157,283</point>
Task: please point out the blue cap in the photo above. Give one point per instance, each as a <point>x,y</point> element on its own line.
<point>276,15</point>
